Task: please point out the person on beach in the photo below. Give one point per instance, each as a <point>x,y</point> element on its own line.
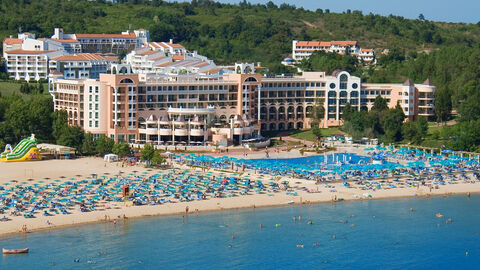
<point>186,210</point>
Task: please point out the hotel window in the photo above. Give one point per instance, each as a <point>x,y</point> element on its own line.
<point>90,106</point>
<point>96,124</point>
<point>90,124</point>
<point>332,86</point>
<point>96,107</point>
<point>90,98</point>
<point>96,115</point>
<point>90,114</point>
<point>343,81</point>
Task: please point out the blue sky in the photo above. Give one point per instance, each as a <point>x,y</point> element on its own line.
<point>467,11</point>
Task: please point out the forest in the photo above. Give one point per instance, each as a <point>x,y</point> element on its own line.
<point>447,53</point>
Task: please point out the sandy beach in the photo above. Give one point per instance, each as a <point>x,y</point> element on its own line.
<point>63,170</point>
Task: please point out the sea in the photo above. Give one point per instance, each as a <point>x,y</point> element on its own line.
<point>373,234</point>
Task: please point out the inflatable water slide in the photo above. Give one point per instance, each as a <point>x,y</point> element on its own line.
<point>25,150</point>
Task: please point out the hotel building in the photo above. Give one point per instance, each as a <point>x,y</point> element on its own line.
<point>27,58</point>
<point>201,109</point>
<point>303,49</point>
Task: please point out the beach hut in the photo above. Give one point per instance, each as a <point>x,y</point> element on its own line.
<point>110,158</point>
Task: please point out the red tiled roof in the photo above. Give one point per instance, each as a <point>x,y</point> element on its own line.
<point>27,52</point>
<point>10,41</point>
<point>147,52</point>
<point>214,70</point>
<point>178,57</point>
<point>202,64</point>
<point>155,44</point>
<point>173,45</point>
<point>313,43</point>
<point>131,35</point>
<point>344,43</point>
<point>80,57</point>
<point>325,44</point>
<point>165,64</point>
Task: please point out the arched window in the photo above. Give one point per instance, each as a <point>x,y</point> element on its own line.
<point>343,94</point>
<point>343,81</point>
<point>126,80</point>
<point>250,79</point>
<point>354,94</point>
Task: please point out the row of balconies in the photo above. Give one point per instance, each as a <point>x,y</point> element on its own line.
<point>170,132</point>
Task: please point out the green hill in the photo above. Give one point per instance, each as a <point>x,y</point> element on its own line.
<point>229,33</point>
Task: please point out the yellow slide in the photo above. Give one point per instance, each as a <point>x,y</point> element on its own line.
<point>32,154</point>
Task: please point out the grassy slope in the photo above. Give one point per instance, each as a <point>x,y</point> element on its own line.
<point>309,136</point>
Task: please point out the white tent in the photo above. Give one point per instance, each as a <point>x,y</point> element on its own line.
<point>110,157</point>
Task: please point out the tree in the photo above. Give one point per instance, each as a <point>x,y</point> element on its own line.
<point>39,116</point>
<point>60,122</point>
<point>71,136</point>
<point>122,149</point>
<point>88,144</point>
<point>410,131</point>
<point>392,123</point>
<point>147,152</point>
<point>422,127</point>
<point>380,104</point>
<point>443,105</point>
<point>104,145</point>
<point>317,114</point>
<point>157,159</point>
<point>348,111</point>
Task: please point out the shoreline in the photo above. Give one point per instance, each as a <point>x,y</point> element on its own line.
<point>52,171</point>
<point>178,212</point>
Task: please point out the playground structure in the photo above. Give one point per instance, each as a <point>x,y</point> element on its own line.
<point>25,150</point>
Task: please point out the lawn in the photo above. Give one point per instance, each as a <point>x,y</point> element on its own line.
<point>8,88</point>
<point>309,136</point>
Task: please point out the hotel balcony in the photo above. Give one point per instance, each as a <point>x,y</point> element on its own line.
<point>197,132</point>
<point>181,132</point>
<point>165,132</point>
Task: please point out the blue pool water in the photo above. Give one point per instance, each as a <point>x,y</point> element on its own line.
<point>315,161</point>
<point>385,235</point>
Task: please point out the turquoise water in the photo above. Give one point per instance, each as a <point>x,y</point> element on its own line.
<point>385,235</point>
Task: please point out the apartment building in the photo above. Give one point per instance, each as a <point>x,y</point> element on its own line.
<point>303,49</point>
<point>81,66</point>
<point>168,48</point>
<point>238,105</point>
<point>29,64</point>
<point>148,60</point>
<point>102,43</point>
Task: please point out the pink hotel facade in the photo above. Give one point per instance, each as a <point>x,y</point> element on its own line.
<point>201,109</point>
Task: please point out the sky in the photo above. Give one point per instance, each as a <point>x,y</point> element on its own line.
<point>467,11</point>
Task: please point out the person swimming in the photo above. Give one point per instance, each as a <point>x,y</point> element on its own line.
<point>310,222</point>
